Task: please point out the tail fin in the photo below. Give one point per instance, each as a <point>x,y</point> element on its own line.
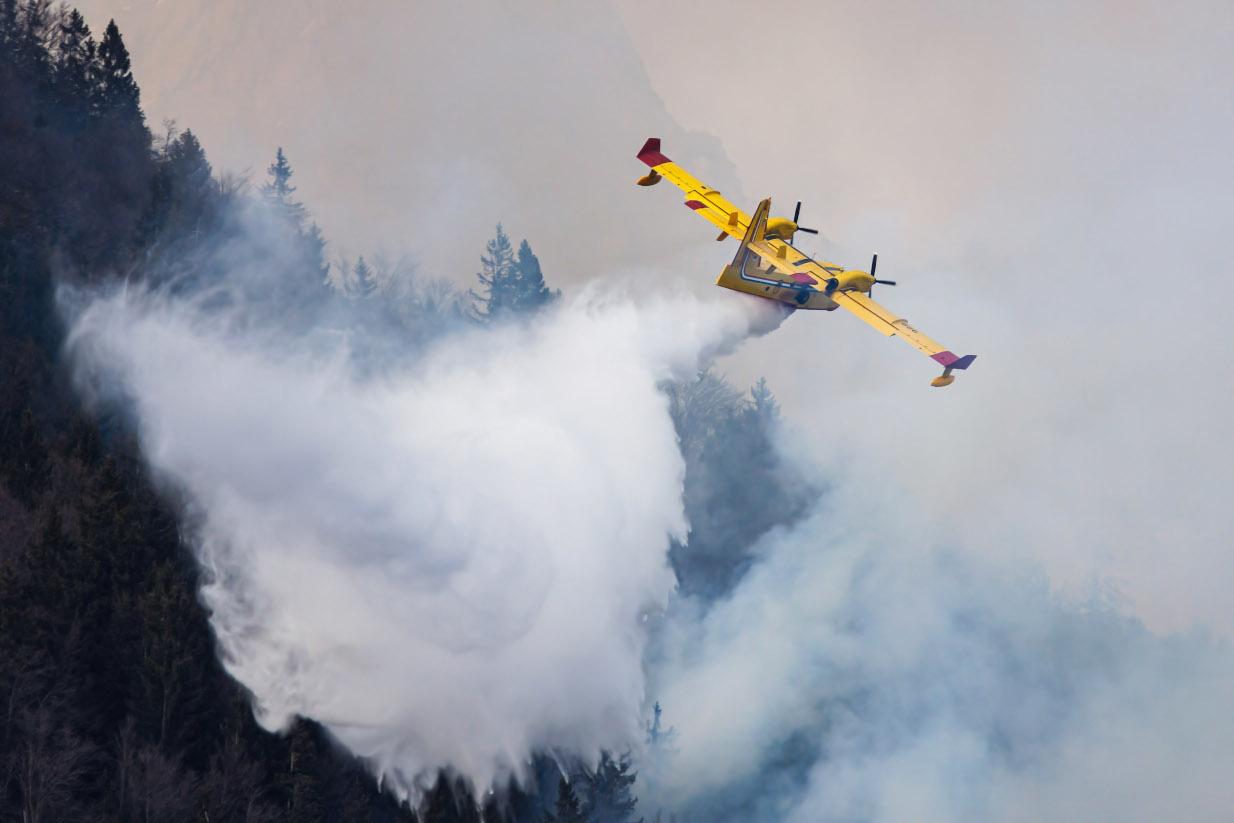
<point>741,275</point>
<point>757,227</point>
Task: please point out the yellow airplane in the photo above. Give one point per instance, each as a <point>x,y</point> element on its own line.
<point>768,266</point>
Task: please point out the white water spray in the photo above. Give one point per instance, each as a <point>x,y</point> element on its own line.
<point>448,566</point>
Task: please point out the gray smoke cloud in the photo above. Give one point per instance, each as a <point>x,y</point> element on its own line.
<point>864,670</point>
<point>448,565</point>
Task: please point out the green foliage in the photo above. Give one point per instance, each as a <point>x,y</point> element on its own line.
<point>307,793</point>
<point>74,64</point>
<point>26,471</point>
<point>513,285</point>
<point>364,280</point>
<point>569,810</point>
<point>167,697</point>
<point>732,470</point>
<point>303,236</point>
<point>496,275</point>
<point>115,89</point>
<point>449,802</point>
<point>278,192</point>
<point>313,246</point>
<point>530,294</point>
<point>763,404</point>
<point>609,791</point>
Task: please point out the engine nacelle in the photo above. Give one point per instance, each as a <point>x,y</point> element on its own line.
<point>780,228</point>
<point>854,281</point>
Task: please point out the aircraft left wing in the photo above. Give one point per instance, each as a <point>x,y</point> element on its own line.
<point>701,198</point>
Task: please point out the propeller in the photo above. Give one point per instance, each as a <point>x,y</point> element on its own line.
<point>873,266</point>
<point>797,214</point>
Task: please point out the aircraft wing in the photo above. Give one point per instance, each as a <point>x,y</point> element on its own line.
<point>701,198</point>
<point>889,324</point>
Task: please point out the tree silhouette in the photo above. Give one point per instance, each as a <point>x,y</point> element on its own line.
<point>279,190</point>
<point>496,275</point>
<point>75,64</point>
<point>364,284</point>
<point>609,794</point>
<point>115,90</point>
<point>529,294</point>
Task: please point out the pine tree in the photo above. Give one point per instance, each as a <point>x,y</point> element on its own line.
<point>9,28</point>
<point>186,197</point>
<point>568,808</point>
<point>168,697</point>
<point>189,170</point>
<point>307,794</point>
<point>365,282</point>
<point>450,802</point>
<point>529,293</point>
<point>313,245</point>
<point>497,275</point>
<point>27,470</point>
<point>609,798</point>
<point>76,63</point>
<point>116,90</point>
<point>22,26</point>
<point>765,408</point>
<point>33,605</point>
<point>82,442</point>
<point>279,190</point>
<point>654,730</point>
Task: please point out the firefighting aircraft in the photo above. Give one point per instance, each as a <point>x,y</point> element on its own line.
<point>767,265</point>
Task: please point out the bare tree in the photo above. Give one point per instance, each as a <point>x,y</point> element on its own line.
<point>51,764</point>
<point>161,790</point>
<point>235,788</point>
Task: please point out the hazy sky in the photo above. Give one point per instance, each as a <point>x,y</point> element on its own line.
<point>1049,182</point>
<point>407,136</point>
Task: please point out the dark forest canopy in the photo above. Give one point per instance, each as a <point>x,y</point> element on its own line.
<point>118,708</point>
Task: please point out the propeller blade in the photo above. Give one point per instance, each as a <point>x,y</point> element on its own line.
<point>873,266</point>
<point>886,282</point>
<point>797,211</point>
<point>807,231</point>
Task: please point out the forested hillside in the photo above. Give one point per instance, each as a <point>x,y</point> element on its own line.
<point>116,705</point>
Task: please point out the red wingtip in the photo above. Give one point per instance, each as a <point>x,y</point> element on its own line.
<point>952,361</point>
<point>650,153</point>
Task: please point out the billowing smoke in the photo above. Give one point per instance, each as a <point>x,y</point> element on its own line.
<point>867,670</point>
<point>450,564</point>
